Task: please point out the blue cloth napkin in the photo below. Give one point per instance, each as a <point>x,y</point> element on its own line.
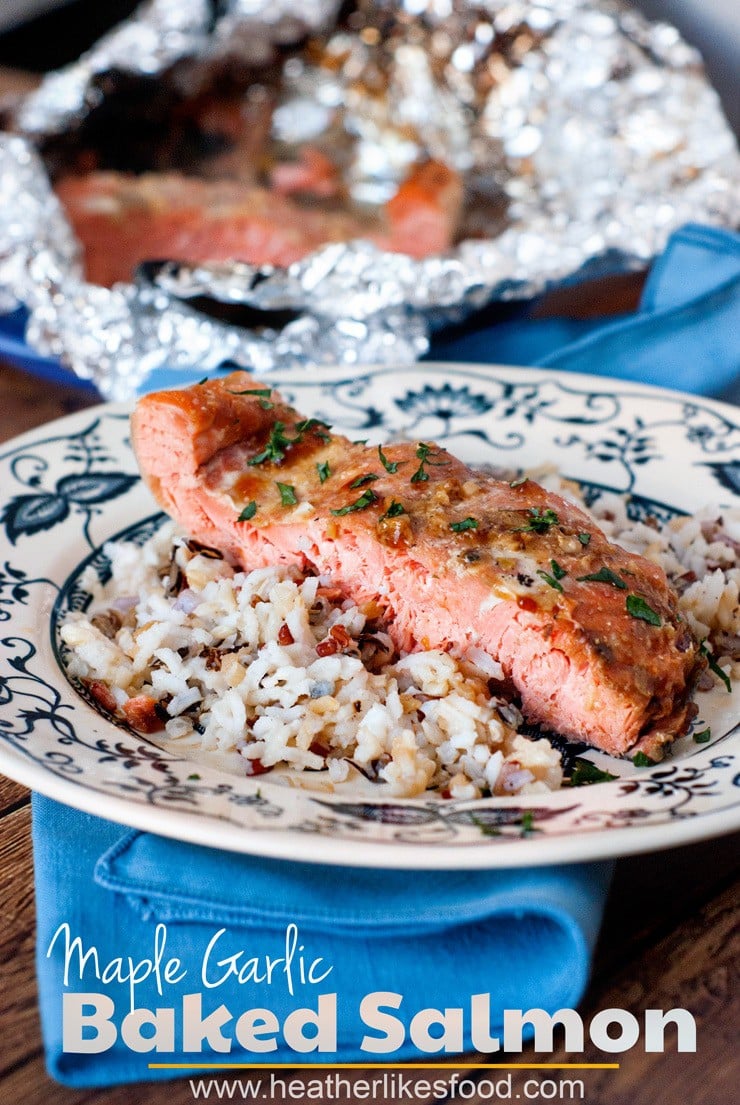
<point>436,938</point>
<point>686,334</point>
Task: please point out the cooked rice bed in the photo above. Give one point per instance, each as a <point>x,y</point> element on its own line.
<point>273,665</point>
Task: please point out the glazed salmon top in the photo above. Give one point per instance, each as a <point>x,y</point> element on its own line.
<point>588,635</point>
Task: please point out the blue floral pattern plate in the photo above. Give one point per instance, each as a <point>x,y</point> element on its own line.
<point>70,486</point>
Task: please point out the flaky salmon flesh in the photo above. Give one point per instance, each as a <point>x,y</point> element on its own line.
<point>588,635</point>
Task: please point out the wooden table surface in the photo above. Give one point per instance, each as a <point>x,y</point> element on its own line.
<point>670,939</point>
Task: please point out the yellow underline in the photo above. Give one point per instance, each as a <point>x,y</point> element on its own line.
<point>420,1066</point>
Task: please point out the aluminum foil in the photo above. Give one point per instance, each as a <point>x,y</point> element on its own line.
<point>162,32</point>
<point>594,130</point>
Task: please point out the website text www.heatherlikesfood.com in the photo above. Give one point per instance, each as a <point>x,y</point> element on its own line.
<point>389,1087</point>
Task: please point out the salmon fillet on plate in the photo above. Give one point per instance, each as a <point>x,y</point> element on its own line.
<point>587,635</point>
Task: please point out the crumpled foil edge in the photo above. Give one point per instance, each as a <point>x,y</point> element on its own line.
<point>354,303</point>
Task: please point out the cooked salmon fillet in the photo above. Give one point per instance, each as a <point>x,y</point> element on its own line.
<point>123,220</point>
<point>587,634</point>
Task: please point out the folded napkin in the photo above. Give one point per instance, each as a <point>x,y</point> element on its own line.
<point>436,938</point>
<point>684,335</point>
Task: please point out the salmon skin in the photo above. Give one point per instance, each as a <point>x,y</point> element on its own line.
<point>588,635</point>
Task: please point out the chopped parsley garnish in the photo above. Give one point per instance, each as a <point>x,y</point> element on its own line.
<point>638,608</point>
<point>319,428</point>
<point>194,777</point>
<point>584,538</point>
<point>558,571</point>
<point>465,525</point>
<point>539,522</point>
<point>323,470</point>
<point>360,441</point>
<point>641,760</point>
<point>249,512</point>
<point>585,773</point>
<point>550,580</point>
<point>704,737</point>
<point>714,666</point>
<point>395,510</point>
<point>366,499</point>
<point>389,465</point>
<point>203,381</point>
<point>288,496</point>
<point>261,393</point>
<point>274,450</point>
<point>277,443</point>
<point>362,480</point>
<point>519,481</point>
<point>425,453</point>
<point>606,575</point>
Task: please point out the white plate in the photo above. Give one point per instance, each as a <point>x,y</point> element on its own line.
<point>71,485</point>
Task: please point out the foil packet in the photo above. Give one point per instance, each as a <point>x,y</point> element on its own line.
<point>584,133</point>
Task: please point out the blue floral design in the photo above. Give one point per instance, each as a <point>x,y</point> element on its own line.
<point>629,447</point>
<point>29,514</point>
<point>444,402</point>
<point>727,474</point>
<point>14,585</point>
<point>83,491</point>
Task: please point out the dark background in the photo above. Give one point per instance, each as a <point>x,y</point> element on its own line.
<point>60,36</point>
